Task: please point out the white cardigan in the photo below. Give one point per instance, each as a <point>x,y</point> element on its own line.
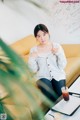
<point>48,65</point>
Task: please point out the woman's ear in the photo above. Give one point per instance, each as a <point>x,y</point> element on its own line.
<point>36,38</point>
<point>49,35</point>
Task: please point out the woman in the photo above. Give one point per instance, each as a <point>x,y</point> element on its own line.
<point>47,60</point>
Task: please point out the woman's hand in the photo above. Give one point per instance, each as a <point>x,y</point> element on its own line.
<point>55,50</point>
<point>34,54</point>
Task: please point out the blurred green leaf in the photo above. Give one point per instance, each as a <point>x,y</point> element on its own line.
<point>19,82</point>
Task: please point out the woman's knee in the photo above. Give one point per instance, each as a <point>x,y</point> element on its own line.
<point>45,86</point>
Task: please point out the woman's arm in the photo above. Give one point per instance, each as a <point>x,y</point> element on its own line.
<point>61,58</point>
<point>32,61</point>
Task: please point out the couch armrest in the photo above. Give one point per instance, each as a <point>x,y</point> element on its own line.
<point>71,50</point>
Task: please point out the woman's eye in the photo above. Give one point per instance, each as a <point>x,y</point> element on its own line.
<point>38,36</point>
<point>44,34</point>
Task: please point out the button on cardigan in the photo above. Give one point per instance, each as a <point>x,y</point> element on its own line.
<point>48,65</point>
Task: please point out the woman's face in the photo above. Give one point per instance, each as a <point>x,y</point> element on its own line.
<point>42,37</point>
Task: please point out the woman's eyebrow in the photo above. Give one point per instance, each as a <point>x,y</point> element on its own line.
<point>38,35</point>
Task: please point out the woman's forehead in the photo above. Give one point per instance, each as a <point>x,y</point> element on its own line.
<point>40,32</point>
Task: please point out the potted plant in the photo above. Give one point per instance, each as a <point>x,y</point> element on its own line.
<point>18,81</point>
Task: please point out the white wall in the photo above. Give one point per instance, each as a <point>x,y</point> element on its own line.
<point>12,25</point>
<point>19,17</point>
<point>66,22</point>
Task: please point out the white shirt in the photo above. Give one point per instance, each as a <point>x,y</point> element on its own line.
<point>48,65</point>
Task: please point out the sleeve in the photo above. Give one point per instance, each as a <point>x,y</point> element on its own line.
<point>61,58</point>
<point>32,62</point>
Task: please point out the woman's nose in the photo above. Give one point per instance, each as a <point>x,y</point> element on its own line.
<point>42,37</point>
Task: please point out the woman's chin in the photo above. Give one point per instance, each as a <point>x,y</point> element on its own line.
<point>44,42</point>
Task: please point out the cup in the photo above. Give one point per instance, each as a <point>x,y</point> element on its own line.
<point>65,93</point>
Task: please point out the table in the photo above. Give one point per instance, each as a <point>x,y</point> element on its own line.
<point>52,115</point>
<point>75,87</point>
<point>58,116</point>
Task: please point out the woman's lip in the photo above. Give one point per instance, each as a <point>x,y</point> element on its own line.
<point>43,41</point>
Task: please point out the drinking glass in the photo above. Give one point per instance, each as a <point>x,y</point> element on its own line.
<point>65,93</point>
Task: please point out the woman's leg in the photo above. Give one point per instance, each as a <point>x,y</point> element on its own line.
<point>45,86</point>
<point>57,85</point>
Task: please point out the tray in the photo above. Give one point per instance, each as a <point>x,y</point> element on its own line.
<point>67,107</point>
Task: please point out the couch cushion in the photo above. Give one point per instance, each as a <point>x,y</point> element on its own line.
<point>72,67</point>
<point>24,45</point>
<point>17,111</point>
<point>25,57</point>
<point>71,50</point>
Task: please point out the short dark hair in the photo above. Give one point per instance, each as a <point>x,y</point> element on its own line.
<point>41,27</point>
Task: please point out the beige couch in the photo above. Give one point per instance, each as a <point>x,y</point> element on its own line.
<point>22,47</point>
<point>72,52</point>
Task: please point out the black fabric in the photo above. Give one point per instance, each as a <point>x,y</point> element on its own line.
<point>57,85</point>
<point>46,87</point>
<point>51,89</point>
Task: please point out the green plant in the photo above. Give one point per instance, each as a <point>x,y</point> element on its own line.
<point>19,82</point>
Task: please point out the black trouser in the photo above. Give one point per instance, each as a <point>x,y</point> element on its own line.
<point>57,85</point>
<point>51,89</point>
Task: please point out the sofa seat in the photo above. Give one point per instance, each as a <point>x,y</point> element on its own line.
<point>24,105</point>
<point>25,57</point>
<point>72,69</point>
<point>15,111</point>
